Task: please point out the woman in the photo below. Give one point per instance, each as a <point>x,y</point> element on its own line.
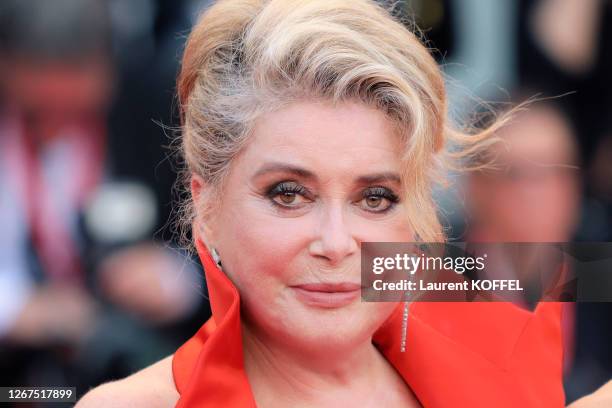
<point>309,127</point>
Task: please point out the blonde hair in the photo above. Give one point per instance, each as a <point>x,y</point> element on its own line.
<point>247,57</point>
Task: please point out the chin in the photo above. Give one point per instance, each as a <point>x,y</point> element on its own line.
<point>311,326</point>
<point>338,327</point>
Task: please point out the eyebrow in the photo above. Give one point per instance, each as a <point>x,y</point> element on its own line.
<point>276,167</point>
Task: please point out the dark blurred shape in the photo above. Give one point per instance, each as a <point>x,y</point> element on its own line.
<point>531,194</point>
<point>86,295</point>
<point>566,46</point>
<point>56,62</point>
<point>58,30</point>
<point>534,193</point>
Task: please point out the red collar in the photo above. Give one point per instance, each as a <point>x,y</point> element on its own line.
<point>457,354</point>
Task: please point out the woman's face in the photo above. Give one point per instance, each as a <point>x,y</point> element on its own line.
<point>314,183</point>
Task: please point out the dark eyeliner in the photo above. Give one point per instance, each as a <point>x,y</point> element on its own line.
<point>285,187</point>
<point>382,192</point>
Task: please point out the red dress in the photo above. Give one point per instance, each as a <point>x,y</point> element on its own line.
<point>457,354</point>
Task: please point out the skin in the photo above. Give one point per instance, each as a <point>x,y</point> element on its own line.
<point>297,354</point>
<point>314,238</point>
<point>313,354</point>
<point>308,353</point>
<point>151,387</point>
<point>599,399</point>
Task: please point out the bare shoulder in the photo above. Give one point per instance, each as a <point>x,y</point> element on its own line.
<point>599,399</point>
<point>152,387</point>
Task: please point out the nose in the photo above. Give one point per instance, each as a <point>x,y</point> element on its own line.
<point>334,240</point>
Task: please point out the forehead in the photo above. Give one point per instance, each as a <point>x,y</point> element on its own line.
<point>325,136</point>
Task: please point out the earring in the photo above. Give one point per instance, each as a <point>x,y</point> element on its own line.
<point>216,257</point>
<point>404,327</point>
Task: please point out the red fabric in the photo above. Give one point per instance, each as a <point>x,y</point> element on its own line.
<point>457,354</point>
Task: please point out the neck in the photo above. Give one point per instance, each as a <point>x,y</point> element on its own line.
<point>310,375</point>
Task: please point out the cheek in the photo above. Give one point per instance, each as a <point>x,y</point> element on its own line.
<point>396,228</point>
<point>261,248</point>
<point>374,314</point>
<point>265,252</point>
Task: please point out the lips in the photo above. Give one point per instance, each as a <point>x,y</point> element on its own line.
<point>329,287</point>
<point>327,295</point>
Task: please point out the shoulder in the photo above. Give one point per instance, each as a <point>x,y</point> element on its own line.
<point>599,399</point>
<point>152,387</point>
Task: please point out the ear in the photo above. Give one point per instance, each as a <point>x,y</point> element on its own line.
<point>197,185</point>
<point>199,194</point>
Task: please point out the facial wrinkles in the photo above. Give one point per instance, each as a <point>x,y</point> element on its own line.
<point>335,192</point>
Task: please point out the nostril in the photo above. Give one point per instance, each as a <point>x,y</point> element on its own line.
<point>334,238</point>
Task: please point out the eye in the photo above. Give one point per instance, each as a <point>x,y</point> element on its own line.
<point>288,194</point>
<point>378,199</point>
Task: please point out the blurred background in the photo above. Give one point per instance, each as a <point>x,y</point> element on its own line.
<point>93,282</point>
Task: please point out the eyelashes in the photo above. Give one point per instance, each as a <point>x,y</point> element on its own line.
<point>288,192</point>
<point>381,192</point>
<point>374,196</point>
<point>291,195</point>
<point>287,187</point>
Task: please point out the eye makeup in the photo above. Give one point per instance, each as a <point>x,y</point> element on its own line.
<point>285,194</point>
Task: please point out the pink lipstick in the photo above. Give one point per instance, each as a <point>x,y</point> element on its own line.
<point>327,295</point>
